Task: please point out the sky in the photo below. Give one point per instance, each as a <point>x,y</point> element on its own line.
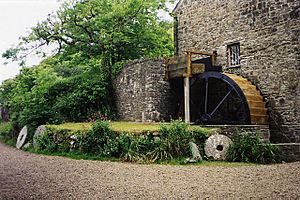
<point>16,19</point>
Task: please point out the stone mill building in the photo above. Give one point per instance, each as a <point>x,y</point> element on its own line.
<point>255,48</point>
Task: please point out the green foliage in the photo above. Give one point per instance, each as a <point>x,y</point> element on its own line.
<point>54,140</point>
<point>173,141</point>
<point>133,148</point>
<point>249,148</point>
<point>46,142</point>
<point>100,139</point>
<point>94,39</point>
<point>6,129</point>
<point>40,95</point>
<point>116,31</point>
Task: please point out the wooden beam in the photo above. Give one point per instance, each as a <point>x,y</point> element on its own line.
<point>200,53</point>
<point>176,66</point>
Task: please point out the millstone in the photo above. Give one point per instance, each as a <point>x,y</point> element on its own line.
<point>216,146</point>
<point>22,137</point>
<point>39,131</point>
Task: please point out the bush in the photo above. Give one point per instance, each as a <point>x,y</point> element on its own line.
<point>100,139</point>
<point>54,140</point>
<point>249,148</point>
<point>173,142</point>
<point>6,129</point>
<point>133,147</point>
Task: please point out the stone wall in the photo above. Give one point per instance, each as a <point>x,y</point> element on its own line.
<point>269,35</point>
<point>291,151</point>
<point>142,94</point>
<point>262,131</point>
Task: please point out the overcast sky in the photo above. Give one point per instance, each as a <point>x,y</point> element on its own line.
<point>16,19</point>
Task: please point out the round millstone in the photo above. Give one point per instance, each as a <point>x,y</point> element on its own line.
<point>216,146</point>
<point>22,137</point>
<point>39,131</point>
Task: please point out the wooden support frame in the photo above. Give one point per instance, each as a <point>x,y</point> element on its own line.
<point>187,76</point>
<point>187,100</point>
<point>182,67</point>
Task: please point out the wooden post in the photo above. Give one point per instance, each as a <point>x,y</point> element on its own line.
<point>187,99</point>
<point>187,89</point>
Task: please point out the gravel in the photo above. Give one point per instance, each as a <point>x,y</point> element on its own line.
<point>29,176</point>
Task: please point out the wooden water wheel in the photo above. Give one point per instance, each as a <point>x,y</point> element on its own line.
<point>221,98</point>
<point>212,97</point>
<point>257,106</point>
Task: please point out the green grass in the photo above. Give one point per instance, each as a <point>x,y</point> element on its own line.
<point>130,127</point>
<point>175,162</point>
<point>72,126</point>
<point>73,155</point>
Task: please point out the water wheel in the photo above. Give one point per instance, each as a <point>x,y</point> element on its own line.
<point>220,98</point>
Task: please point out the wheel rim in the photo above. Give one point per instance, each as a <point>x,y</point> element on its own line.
<point>217,99</point>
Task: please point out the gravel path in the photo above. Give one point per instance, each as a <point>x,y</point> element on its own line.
<point>30,176</point>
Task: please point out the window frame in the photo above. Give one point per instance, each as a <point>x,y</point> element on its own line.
<point>234,55</point>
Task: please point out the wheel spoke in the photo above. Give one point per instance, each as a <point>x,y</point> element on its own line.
<point>206,95</point>
<point>224,98</point>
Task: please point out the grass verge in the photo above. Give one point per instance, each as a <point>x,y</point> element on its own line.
<point>173,162</point>
<point>129,127</point>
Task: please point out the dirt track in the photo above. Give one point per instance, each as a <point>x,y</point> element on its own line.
<point>29,176</point>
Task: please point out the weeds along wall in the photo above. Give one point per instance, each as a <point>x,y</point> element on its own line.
<point>268,35</point>
<point>141,92</point>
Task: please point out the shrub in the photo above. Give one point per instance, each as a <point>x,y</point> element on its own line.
<point>6,129</point>
<point>173,142</point>
<point>100,139</point>
<point>46,142</point>
<point>54,140</point>
<point>134,147</point>
<point>249,148</point>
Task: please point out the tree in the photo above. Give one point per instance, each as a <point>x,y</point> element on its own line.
<point>94,37</point>
<point>116,30</point>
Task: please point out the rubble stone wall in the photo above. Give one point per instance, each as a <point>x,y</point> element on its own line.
<point>268,32</point>
<point>141,92</point>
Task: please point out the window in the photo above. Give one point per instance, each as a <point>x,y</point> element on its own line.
<point>233,55</point>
